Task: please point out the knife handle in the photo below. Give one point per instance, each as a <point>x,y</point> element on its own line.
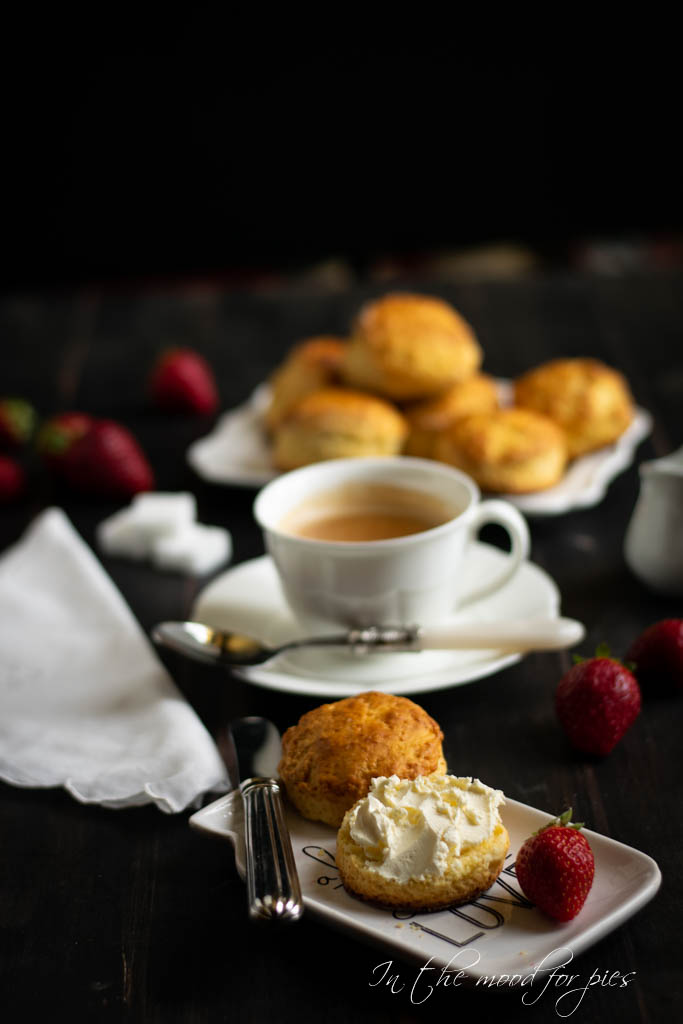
<point>273,890</point>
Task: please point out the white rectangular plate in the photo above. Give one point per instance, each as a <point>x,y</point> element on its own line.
<point>498,934</point>
<point>237,452</point>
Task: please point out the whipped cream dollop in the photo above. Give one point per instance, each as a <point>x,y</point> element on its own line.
<point>407,827</point>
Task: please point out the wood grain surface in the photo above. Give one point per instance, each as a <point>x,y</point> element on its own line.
<point>129,915</point>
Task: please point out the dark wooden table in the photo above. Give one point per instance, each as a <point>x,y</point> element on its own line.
<point>129,915</point>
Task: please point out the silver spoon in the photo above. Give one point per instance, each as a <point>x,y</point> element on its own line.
<point>226,648</point>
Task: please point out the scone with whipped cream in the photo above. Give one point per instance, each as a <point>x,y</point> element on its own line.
<point>423,844</point>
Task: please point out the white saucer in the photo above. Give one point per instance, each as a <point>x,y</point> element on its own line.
<point>237,452</point>
<point>249,598</point>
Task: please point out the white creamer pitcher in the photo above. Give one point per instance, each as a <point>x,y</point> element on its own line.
<point>653,547</point>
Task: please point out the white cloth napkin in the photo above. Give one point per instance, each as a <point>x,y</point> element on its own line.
<point>84,701</point>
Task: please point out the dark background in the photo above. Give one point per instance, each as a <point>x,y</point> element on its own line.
<point>232,156</point>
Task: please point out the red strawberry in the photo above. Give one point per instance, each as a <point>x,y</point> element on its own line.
<point>596,702</point>
<point>58,434</point>
<point>17,421</point>
<point>183,381</point>
<point>12,479</point>
<point>657,655</point>
<point>107,460</point>
<point>555,868</point>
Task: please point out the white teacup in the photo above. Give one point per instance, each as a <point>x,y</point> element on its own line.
<point>409,579</point>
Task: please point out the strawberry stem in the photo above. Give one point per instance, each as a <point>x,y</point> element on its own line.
<point>562,821</point>
<point>601,651</point>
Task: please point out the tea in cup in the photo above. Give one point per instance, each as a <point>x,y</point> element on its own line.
<point>376,541</point>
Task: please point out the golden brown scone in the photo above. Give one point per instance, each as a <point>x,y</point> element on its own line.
<point>311,365</point>
<point>331,755</point>
<point>336,423</point>
<point>429,418</point>
<point>422,869</point>
<point>590,401</point>
<point>467,876</point>
<point>406,346</point>
<point>509,450</point>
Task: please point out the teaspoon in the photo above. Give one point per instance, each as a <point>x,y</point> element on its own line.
<point>226,648</point>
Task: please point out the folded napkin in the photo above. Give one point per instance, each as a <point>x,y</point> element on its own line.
<point>85,702</point>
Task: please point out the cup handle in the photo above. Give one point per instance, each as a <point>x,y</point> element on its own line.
<point>507,516</point>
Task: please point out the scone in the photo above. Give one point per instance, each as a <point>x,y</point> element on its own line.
<point>509,450</point>
<point>331,755</point>
<point>423,844</point>
<point>430,417</point>
<point>589,400</point>
<point>406,346</point>
<point>311,365</point>
<point>336,423</point>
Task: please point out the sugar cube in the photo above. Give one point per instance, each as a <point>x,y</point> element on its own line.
<point>196,549</point>
<point>160,513</point>
<point>131,533</point>
<point>120,536</point>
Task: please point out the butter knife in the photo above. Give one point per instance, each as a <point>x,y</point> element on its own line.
<point>251,751</point>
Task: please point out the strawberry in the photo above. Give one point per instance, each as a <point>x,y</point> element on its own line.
<point>183,381</point>
<point>107,460</point>
<point>596,702</point>
<point>57,435</point>
<point>12,479</point>
<point>657,656</point>
<point>17,421</point>
<point>555,868</point>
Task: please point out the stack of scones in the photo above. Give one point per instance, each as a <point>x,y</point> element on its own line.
<point>409,381</point>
